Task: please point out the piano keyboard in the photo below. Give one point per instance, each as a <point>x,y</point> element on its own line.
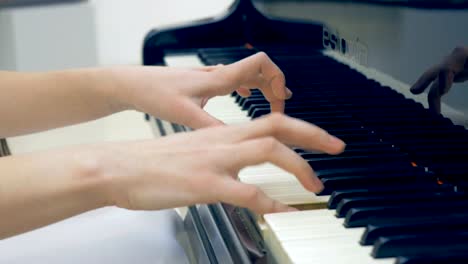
<point>402,170</point>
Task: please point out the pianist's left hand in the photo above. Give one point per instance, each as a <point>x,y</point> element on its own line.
<point>452,69</point>
<point>54,99</point>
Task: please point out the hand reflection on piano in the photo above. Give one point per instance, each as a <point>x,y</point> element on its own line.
<point>452,69</point>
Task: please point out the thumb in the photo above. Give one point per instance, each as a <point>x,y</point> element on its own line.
<point>425,80</point>
<point>195,117</point>
<point>249,196</point>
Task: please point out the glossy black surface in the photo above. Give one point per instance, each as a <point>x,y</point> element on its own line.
<point>403,173</point>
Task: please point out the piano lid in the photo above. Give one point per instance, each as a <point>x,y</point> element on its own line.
<point>444,4</point>
<point>396,37</point>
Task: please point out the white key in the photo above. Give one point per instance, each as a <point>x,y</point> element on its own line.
<point>279,185</point>
<point>316,236</point>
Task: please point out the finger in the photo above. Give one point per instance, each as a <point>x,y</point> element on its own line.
<point>288,93</point>
<point>260,72</point>
<point>423,82</point>
<point>195,117</point>
<point>462,76</point>
<point>249,196</point>
<point>268,149</point>
<point>433,97</point>
<point>446,78</point>
<point>276,104</point>
<point>273,84</point>
<point>275,77</point>
<point>440,87</point>
<point>293,132</point>
<point>244,92</point>
<point>288,130</point>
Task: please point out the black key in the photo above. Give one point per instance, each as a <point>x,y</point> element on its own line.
<point>396,199</point>
<point>358,161</point>
<point>337,196</point>
<point>385,168</point>
<point>436,224</point>
<point>349,153</point>
<point>359,217</point>
<point>332,184</point>
<point>452,242</point>
<point>445,258</point>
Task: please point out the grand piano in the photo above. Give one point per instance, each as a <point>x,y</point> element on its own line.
<point>398,194</point>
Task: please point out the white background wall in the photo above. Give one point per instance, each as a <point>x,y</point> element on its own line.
<point>107,32</point>
<point>102,32</point>
<point>122,24</point>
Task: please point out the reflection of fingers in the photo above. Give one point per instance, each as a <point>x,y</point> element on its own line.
<point>462,76</point>
<point>268,149</point>
<point>445,81</point>
<point>433,97</point>
<point>249,196</point>
<point>424,81</point>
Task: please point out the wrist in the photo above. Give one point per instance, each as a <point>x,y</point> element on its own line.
<point>92,178</point>
<point>109,85</point>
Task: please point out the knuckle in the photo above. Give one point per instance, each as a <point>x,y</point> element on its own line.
<point>269,144</point>
<point>262,55</point>
<point>318,133</point>
<point>274,122</point>
<point>281,75</point>
<point>444,71</point>
<point>276,118</point>
<point>434,92</point>
<point>459,50</point>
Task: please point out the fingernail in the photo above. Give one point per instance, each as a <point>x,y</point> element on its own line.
<point>334,140</point>
<point>336,145</point>
<point>319,186</point>
<point>289,93</point>
<point>317,183</point>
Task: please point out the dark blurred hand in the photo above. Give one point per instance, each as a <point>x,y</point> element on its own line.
<point>452,69</point>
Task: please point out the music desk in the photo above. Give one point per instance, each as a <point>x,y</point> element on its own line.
<point>107,235</point>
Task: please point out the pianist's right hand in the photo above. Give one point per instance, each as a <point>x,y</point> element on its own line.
<point>452,69</point>
<point>177,170</point>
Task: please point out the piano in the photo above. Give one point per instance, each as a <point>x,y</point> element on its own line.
<point>398,194</point>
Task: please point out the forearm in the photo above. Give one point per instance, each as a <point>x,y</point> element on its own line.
<point>40,189</point>
<point>32,102</point>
